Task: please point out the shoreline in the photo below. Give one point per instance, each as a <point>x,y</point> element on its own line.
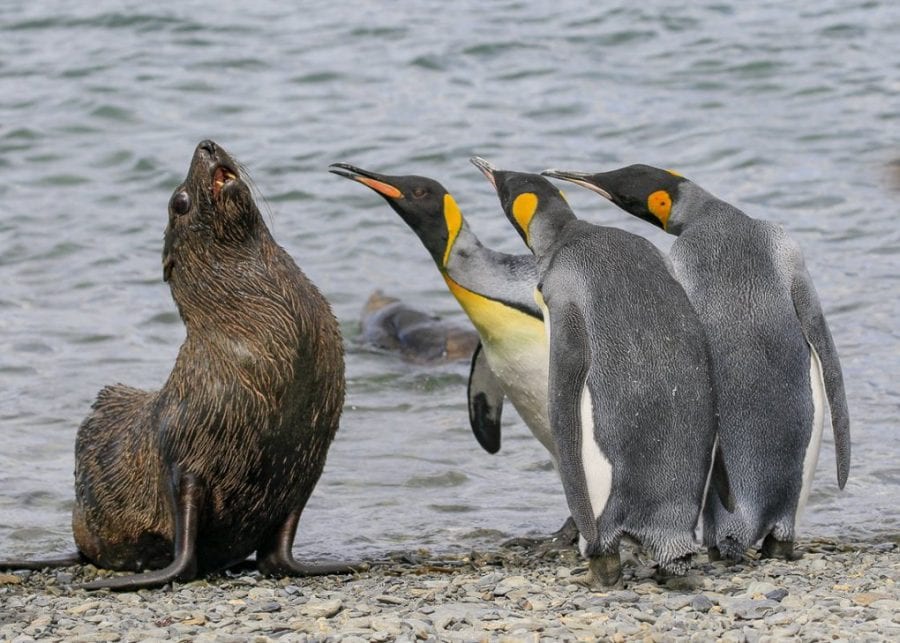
<point>835,591</point>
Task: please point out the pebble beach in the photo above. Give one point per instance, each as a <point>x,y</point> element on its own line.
<point>835,592</point>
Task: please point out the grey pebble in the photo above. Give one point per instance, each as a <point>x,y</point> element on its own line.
<point>701,603</point>
<point>677,601</point>
<point>777,594</point>
<point>840,593</point>
<point>746,608</point>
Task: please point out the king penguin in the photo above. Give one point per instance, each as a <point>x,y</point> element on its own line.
<point>774,359</point>
<point>630,394</point>
<point>496,292</point>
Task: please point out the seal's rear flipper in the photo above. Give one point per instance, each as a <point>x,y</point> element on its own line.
<point>189,506</point>
<point>275,558</point>
<point>485,402</point>
<point>63,561</point>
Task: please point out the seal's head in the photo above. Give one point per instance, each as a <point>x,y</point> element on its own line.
<point>210,214</point>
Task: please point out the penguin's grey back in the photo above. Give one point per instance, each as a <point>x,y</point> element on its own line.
<point>648,378</point>
<point>737,272</point>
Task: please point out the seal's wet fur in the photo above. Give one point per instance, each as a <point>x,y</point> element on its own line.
<point>228,451</point>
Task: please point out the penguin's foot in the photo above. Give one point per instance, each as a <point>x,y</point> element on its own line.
<point>605,571</point>
<point>713,554</point>
<point>566,537</point>
<point>677,566</point>
<point>782,549</point>
<point>729,549</point>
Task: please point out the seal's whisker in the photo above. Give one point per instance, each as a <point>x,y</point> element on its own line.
<point>258,196</point>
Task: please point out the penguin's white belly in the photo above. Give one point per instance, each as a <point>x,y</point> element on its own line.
<point>597,468</point>
<point>523,371</point>
<point>811,458</point>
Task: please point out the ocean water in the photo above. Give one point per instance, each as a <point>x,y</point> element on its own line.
<point>789,112</point>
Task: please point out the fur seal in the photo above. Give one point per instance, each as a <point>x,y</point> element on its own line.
<point>219,462</point>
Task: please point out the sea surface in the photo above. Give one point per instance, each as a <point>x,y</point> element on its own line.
<point>789,110</point>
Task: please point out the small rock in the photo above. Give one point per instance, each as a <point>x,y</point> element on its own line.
<point>9,579</point>
<point>623,596</point>
<point>326,609</point>
<point>777,595</point>
<point>867,598</point>
<point>684,583</point>
<point>759,589</point>
<point>84,607</point>
<point>64,578</point>
<point>508,584</point>
<point>748,609</point>
<point>390,600</point>
<point>701,603</point>
<point>886,604</point>
<point>677,601</point>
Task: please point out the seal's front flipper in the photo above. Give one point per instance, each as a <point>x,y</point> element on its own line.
<point>46,563</point>
<point>485,402</point>
<point>275,558</point>
<point>190,498</point>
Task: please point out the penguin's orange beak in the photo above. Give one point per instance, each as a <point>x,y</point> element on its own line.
<point>369,179</point>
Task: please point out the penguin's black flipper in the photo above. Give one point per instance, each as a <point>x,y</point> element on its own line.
<point>485,402</point>
<point>569,364</point>
<point>720,481</point>
<point>818,335</point>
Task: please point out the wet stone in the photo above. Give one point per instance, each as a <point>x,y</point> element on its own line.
<point>701,603</point>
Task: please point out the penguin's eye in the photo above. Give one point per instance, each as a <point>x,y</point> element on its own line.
<point>418,193</point>
<point>181,203</point>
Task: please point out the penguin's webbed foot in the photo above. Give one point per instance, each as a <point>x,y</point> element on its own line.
<point>677,566</point>
<point>605,571</point>
<point>727,549</point>
<point>780,549</point>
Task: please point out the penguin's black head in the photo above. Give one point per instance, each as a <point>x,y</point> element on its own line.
<point>644,191</point>
<point>423,203</point>
<point>522,195</point>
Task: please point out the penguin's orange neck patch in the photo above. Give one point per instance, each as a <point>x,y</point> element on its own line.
<point>660,205</point>
<point>381,187</point>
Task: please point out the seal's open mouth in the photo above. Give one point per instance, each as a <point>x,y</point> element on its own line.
<point>221,177</point>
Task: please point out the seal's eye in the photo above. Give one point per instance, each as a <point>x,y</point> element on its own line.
<point>181,203</point>
<point>418,193</point>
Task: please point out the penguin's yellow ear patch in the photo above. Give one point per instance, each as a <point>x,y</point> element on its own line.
<point>523,209</point>
<point>660,205</point>
<point>453,217</point>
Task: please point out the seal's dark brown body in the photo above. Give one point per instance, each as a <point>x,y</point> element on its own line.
<point>228,451</point>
